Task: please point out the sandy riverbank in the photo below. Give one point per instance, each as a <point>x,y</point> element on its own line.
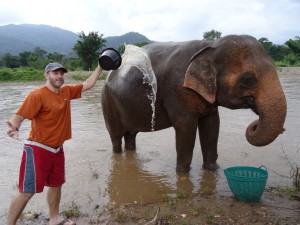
<point>288,70</point>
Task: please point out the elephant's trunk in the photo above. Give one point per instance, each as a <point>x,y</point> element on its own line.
<point>271,106</point>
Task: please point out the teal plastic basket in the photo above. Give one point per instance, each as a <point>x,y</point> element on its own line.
<point>247,183</point>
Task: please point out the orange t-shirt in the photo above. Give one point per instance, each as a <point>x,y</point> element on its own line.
<point>50,114</point>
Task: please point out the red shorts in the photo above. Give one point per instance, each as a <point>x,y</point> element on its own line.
<point>41,166</point>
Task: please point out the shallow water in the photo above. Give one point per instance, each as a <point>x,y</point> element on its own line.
<point>97,177</point>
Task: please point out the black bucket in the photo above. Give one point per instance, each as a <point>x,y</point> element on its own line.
<point>110,59</point>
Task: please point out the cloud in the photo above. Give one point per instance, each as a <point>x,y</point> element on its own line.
<point>161,20</point>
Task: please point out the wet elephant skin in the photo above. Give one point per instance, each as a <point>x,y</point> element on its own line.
<point>193,79</point>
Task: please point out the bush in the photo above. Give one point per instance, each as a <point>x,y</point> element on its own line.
<point>6,74</point>
<point>20,74</point>
<point>281,64</point>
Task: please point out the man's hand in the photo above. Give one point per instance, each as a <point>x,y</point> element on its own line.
<point>12,131</point>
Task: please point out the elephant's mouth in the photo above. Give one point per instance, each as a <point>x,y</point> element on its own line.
<point>249,102</point>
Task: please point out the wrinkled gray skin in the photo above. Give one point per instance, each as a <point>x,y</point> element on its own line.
<point>193,79</point>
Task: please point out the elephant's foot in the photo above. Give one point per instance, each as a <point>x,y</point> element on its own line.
<point>117,150</point>
<point>130,146</point>
<point>117,147</point>
<point>129,138</point>
<point>180,168</point>
<point>211,166</point>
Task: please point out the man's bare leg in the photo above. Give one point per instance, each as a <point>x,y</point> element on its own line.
<point>17,206</point>
<point>53,198</point>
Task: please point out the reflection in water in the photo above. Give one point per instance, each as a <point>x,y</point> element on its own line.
<point>129,183</point>
<point>184,183</point>
<point>146,174</point>
<point>208,183</point>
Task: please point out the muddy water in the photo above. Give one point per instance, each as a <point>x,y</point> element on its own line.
<point>96,177</point>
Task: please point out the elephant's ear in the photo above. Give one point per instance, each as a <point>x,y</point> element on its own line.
<point>201,75</point>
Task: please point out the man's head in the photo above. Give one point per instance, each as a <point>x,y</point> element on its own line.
<point>54,74</point>
<point>55,66</point>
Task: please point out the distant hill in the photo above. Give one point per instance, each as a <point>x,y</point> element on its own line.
<point>15,39</point>
<point>19,38</point>
<point>128,38</point>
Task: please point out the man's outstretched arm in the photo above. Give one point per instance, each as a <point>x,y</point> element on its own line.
<point>91,81</point>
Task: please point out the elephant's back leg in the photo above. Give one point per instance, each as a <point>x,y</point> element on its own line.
<point>112,120</point>
<point>129,138</point>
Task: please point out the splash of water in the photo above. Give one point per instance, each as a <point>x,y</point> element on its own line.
<point>138,57</point>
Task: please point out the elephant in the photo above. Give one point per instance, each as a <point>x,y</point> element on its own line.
<point>192,79</point>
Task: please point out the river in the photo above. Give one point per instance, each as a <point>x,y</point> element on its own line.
<point>96,177</point>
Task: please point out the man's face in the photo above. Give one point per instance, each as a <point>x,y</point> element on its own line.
<point>56,78</point>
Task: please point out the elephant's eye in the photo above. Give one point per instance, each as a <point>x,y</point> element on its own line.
<point>247,80</point>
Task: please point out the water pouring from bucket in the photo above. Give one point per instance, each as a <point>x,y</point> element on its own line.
<point>110,59</point>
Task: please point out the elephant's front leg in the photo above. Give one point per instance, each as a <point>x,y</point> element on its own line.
<point>185,142</point>
<point>209,127</point>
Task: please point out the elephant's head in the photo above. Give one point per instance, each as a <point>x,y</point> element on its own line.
<point>235,72</point>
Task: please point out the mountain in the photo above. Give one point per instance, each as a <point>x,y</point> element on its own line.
<point>128,38</point>
<point>19,38</point>
<point>15,39</point>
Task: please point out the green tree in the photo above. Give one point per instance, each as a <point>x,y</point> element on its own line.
<point>141,44</point>
<point>276,52</point>
<point>10,61</point>
<point>290,59</point>
<point>56,57</point>
<point>25,58</point>
<point>212,35</point>
<point>294,45</point>
<point>41,53</point>
<point>121,49</point>
<point>87,48</point>
<point>36,59</point>
<point>265,43</point>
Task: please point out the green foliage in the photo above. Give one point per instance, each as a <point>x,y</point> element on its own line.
<point>72,211</point>
<point>211,35</point>
<point>294,45</point>
<point>40,53</point>
<point>287,191</point>
<point>276,52</point>
<point>281,64</point>
<point>79,77</point>
<point>87,48</point>
<point>141,44</point>
<point>120,215</point>
<point>56,57</point>
<point>73,65</point>
<point>20,74</point>
<point>210,218</point>
<point>291,59</point>
<point>265,43</point>
<point>121,49</point>
<point>10,61</point>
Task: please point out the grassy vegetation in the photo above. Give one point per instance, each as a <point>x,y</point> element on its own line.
<point>83,75</point>
<point>31,74</point>
<point>20,74</point>
<point>72,210</point>
<point>287,191</point>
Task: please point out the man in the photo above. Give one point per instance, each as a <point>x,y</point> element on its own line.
<point>48,108</point>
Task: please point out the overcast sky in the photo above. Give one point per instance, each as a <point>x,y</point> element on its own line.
<point>161,20</point>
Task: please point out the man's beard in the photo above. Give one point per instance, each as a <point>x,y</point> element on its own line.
<point>55,83</point>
